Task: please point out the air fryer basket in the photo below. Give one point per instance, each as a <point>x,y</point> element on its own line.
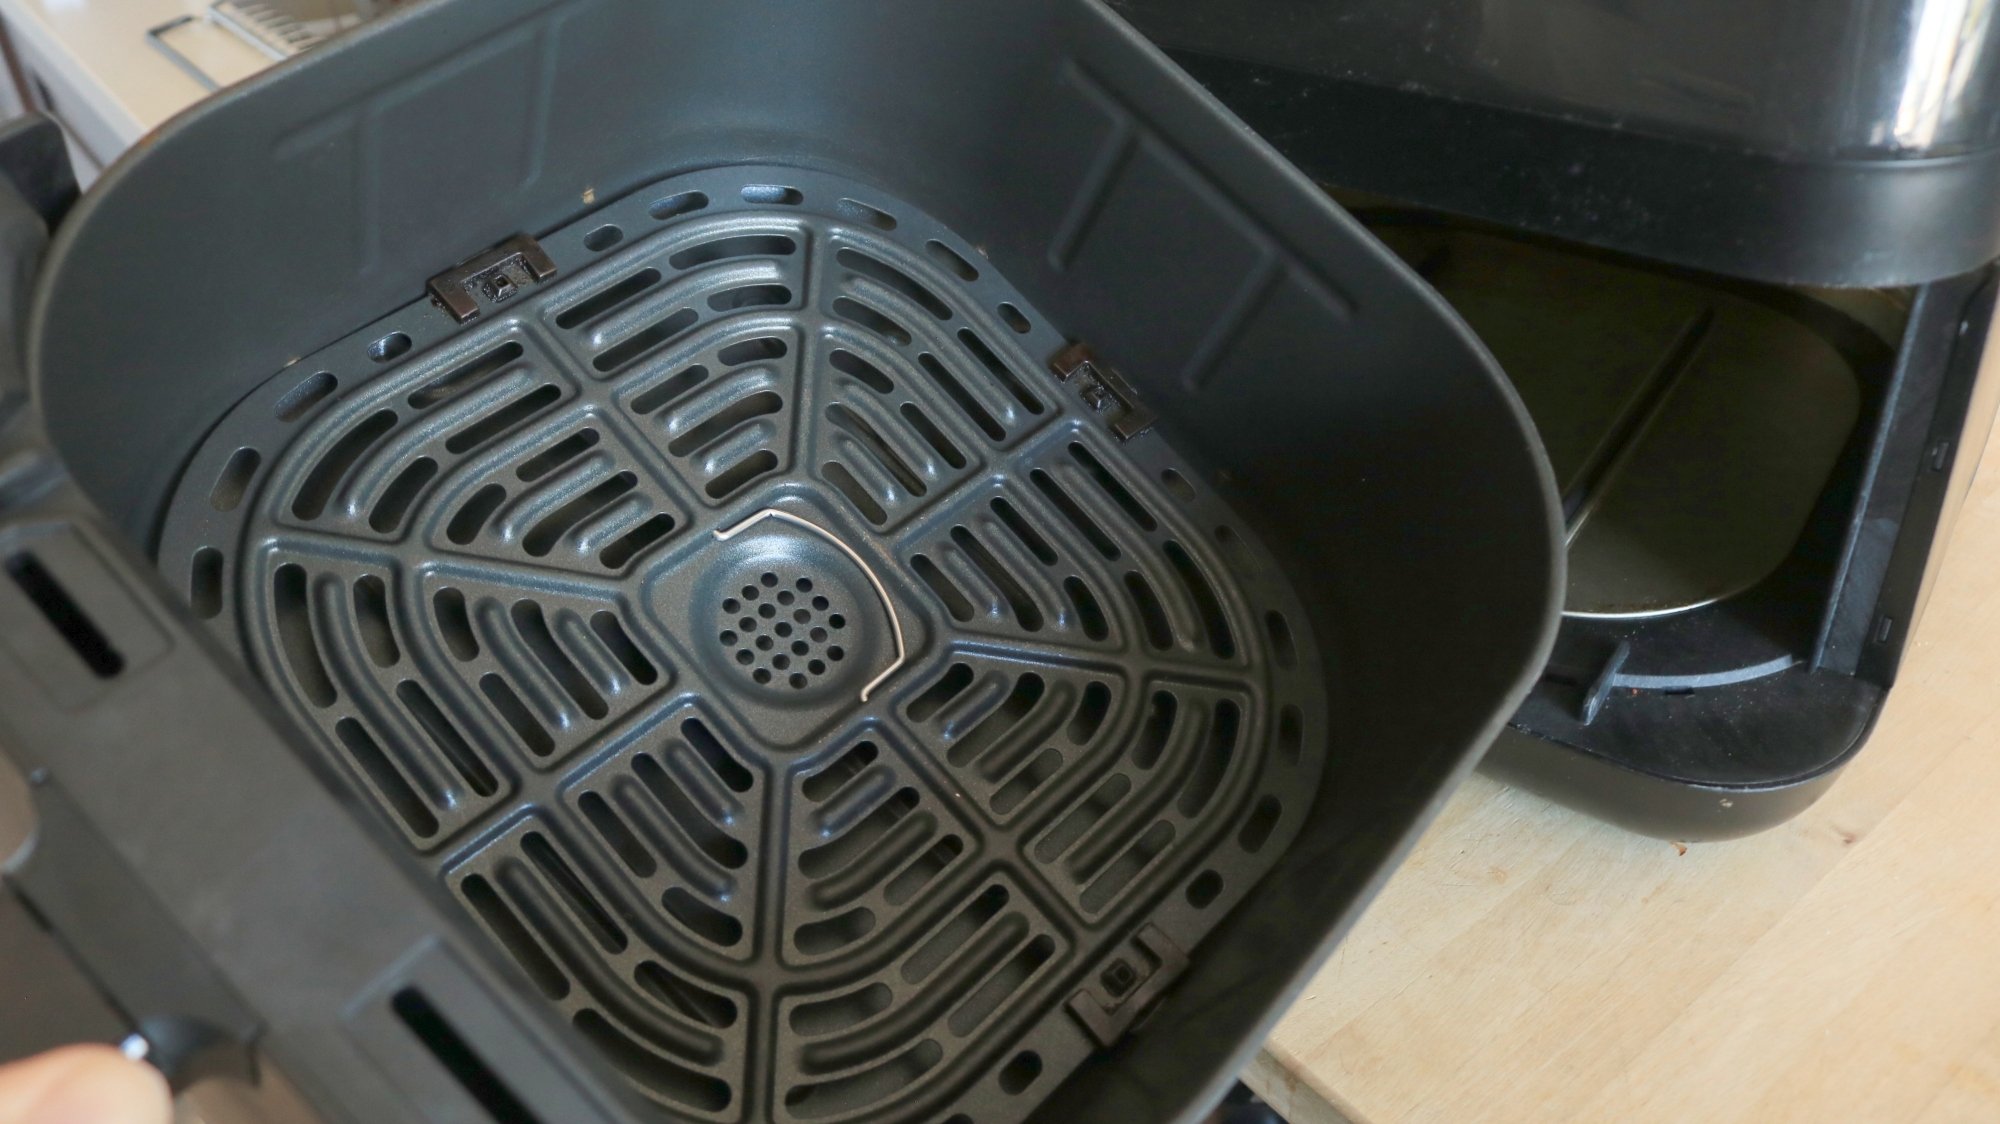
<point>928,576</point>
<point>823,705</point>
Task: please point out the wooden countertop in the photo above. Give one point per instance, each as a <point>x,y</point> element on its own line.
<point>1530,964</point>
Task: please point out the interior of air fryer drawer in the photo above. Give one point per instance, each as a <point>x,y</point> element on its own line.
<point>783,663</point>
<point>1707,435</point>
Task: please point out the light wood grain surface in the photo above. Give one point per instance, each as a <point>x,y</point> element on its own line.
<point>1530,964</point>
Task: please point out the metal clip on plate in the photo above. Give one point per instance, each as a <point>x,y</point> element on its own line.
<point>1122,993</point>
<point>491,277</point>
<point>1103,390</point>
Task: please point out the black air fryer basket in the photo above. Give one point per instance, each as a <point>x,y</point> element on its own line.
<point>607,560</point>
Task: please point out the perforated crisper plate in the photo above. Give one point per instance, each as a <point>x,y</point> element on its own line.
<point>588,594</point>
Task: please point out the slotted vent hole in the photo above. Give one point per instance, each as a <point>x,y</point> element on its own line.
<point>1215,621</point>
<point>556,455</point>
<point>515,713</point>
<point>771,194</point>
<point>645,340</point>
<point>396,791</point>
<point>854,311</point>
<point>724,421</point>
<point>1280,633</point>
<point>689,998</point>
<point>761,349</point>
<point>653,1070</point>
<point>896,281</point>
<point>1017,1075</point>
<point>205,583</point>
<point>455,623</point>
<point>701,919</point>
<point>869,375</point>
<point>833,777</point>
<point>1152,614</point>
<point>296,632</point>
<point>1257,828</point>
<point>64,614</point>
<point>234,479</point>
<point>856,211</point>
<point>371,611</point>
<point>826,1016</point>
<point>506,925</point>
<point>668,389</point>
<point>939,695</point>
<point>818,938</point>
<point>401,495</point>
<point>503,419</point>
<point>845,1095</point>
<point>1291,732</point>
<point>613,296</point>
<point>464,377</point>
<point>676,205</point>
<point>750,296</point>
<point>323,481</point>
<point>855,491</point>
<point>1204,889</point>
<point>1074,513</point>
<point>619,643</point>
<point>392,346</point>
<point>932,435</point>
<point>1015,596</point>
<point>634,542</point>
<point>739,475</point>
<point>551,529</point>
<point>1012,975</point>
<point>442,1040</point>
<point>1114,487</point>
<point>471,516</point>
<point>1025,532</point>
<point>1002,372</point>
<point>444,734</point>
<point>951,259</point>
<point>299,401</point>
<point>877,448</point>
<point>1091,710</point>
<point>1089,614</point>
<point>961,397</point>
<point>717,757</point>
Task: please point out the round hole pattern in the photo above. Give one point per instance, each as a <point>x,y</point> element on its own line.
<point>783,651</point>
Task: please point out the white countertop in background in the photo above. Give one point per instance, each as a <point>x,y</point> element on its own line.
<point>107,82</point>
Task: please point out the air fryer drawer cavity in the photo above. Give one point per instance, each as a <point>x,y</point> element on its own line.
<point>789,671</point>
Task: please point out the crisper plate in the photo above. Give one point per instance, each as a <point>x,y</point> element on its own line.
<point>792,674</point>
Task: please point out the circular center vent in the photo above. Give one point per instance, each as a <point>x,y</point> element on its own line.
<point>821,707</point>
<point>781,632</point>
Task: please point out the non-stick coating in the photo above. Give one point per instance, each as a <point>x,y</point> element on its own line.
<point>1341,411</point>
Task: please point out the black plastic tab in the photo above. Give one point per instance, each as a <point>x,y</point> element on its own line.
<point>1103,390</point>
<point>1124,993</point>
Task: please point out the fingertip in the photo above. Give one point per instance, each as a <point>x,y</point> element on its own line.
<point>91,1084</point>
